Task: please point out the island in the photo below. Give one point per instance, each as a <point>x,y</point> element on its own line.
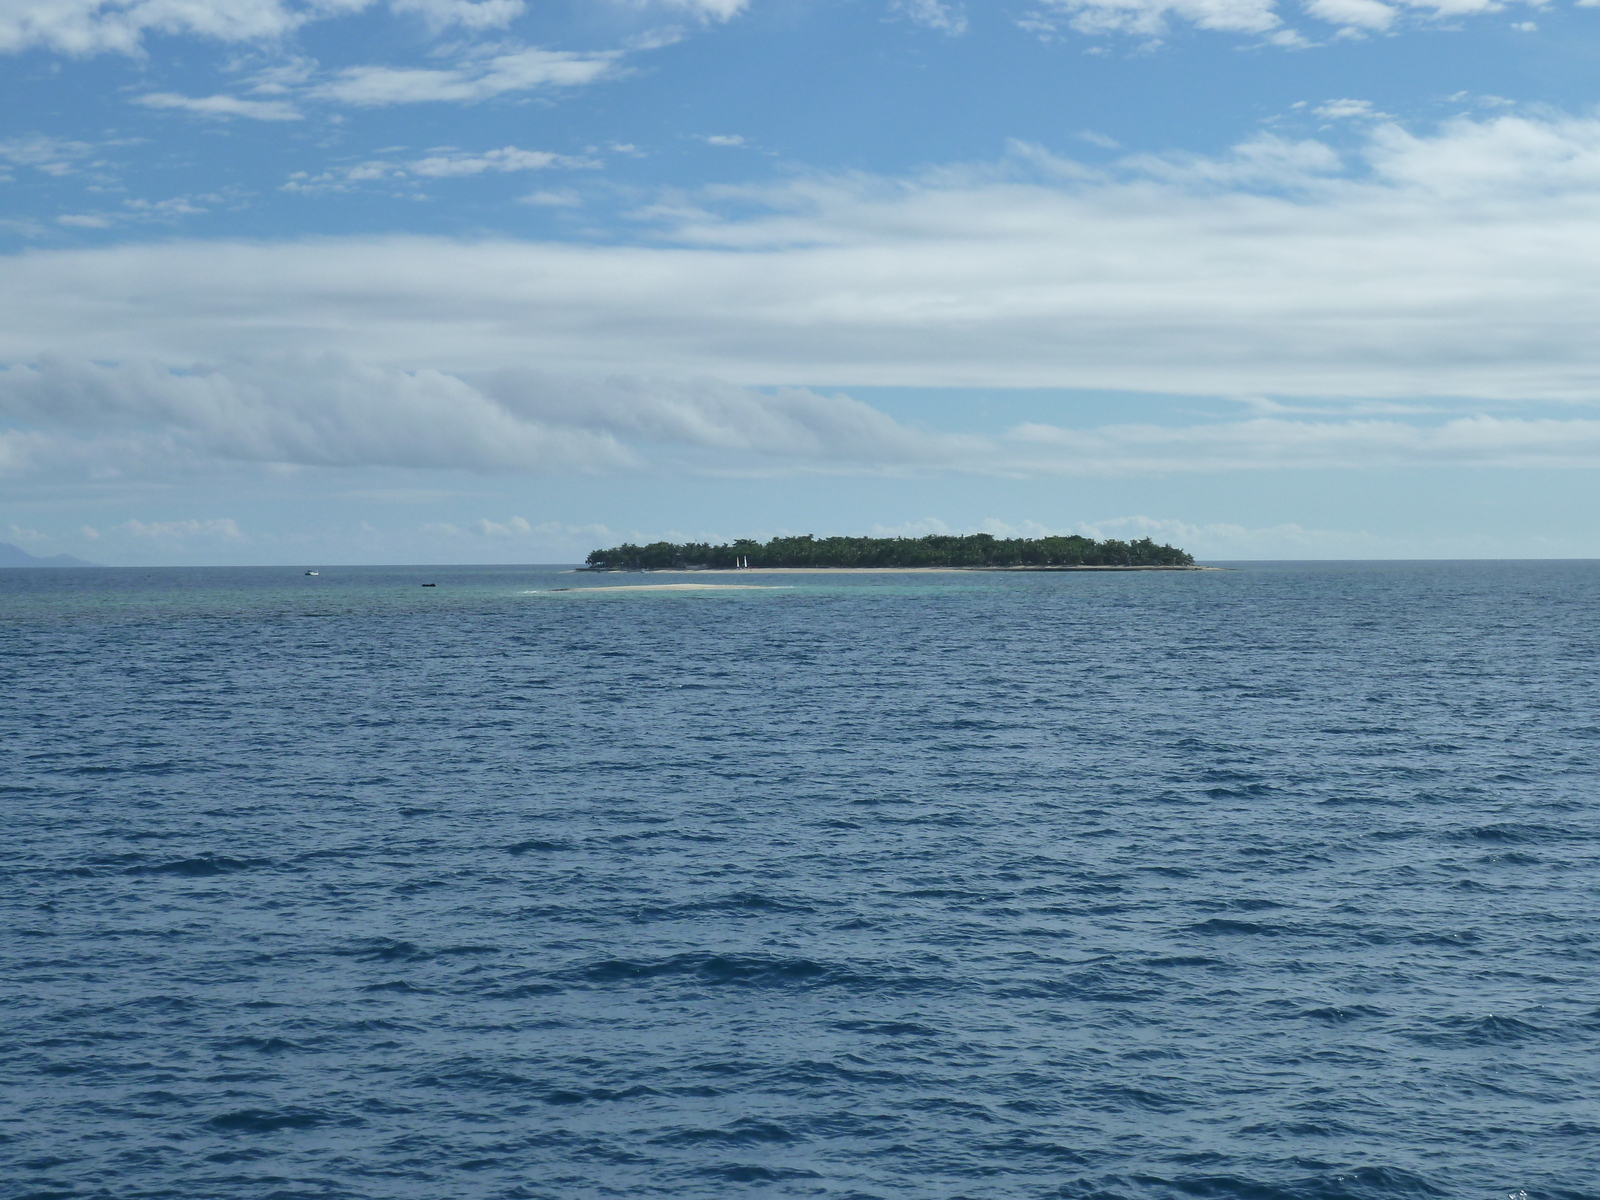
<point>15,556</point>
<point>972,552</point>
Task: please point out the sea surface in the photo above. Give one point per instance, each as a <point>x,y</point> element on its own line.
<point>1277,883</point>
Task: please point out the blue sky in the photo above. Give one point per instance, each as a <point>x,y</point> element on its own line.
<point>500,280</point>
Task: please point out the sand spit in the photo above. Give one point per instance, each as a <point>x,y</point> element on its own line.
<point>852,571</point>
<point>671,587</point>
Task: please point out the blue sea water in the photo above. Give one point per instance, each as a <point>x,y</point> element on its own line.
<point>1278,883</point>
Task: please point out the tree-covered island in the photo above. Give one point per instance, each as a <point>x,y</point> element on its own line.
<point>975,551</point>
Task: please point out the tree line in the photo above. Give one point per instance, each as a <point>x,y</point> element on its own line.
<point>936,550</point>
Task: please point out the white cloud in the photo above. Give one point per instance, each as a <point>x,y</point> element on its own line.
<point>223,106</point>
<point>710,10</point>
<point>314,411</point>
<point>734,422</point>
<point>70,420</point>
<point>1350,110</point>
<point>1274,443</point>
<point>99,26</point>
<point>53,156</point>
<point>95,26</point>
<point>1223,540</point>
<point>139,210</point>
<point>1354,14</point>
<point>724,139</point>
<point>223,529</point>
<point>565,198</point>
<point>544,533</point>
<point>175,206</point>
<point>508,158</point>
<point>1459,262</point>
<point>16,533</point>
<point>330,411</point>
<point>467,14</point>
<point>1262,161</point>
<point>935,14</point>
<point>511,528</point>
<point>441,164</point>
<point>470,81</point>
<point>1150,17</point>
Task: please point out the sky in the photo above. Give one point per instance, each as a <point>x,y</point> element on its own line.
<point>455,281</point>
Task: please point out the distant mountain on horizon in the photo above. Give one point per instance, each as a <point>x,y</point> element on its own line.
<point>15,556</point>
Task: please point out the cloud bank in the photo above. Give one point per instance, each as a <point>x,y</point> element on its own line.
<point>73,419</point>
<point>1263,19</point>
<point>143,419</point>
<point>1456,263</point>
<point>87,27</point>
<point>1452,271</point>
<point>474,79</point>
<point>223,106</point>
<point>82,27</point>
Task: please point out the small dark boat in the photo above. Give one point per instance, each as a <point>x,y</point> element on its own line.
<point>430,585</point>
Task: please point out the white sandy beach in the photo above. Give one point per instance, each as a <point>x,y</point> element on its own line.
<point>856,571</point>
<point>671,587</point>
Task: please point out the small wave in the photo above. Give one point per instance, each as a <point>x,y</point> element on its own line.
<point>523,991</point>
<point>1035,1148</point>
<point>562,1096</point>
<point>400,986</point>
<point>1451,937</point>
<point>734,904</point>
<point>464,1078</point>
<point>1222,926</point>
<point>330,852</point>
<point>978,723</point>
<point>1493,1030</point>
<point>386,949</point>
<point>1337,1015</point>
<point>810,1072</point>
<point>1123,1097</point>
<point>261,1120</point>
<point>536,844</point>
<point>889,1028</point>
<point>199,867</point>
<point>260,1045</point>
<point>158,768</point>
<point>160,1004</point>
<point>243,1154</point>
<point>739,970</point>
<point>1511,858</point>
<point>751,1173</point>
<point>1246,791</point>
<point>1361,1183</point>
<point>743,1132</point>
<point>1511,833</point>
<point>1295,1129</point>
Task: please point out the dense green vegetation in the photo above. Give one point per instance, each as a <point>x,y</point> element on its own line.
<point>973,550</point>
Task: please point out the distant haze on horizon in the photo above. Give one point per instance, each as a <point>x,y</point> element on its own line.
<point>477,281</point>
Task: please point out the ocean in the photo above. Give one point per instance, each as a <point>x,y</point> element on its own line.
<point>1277,883</point>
